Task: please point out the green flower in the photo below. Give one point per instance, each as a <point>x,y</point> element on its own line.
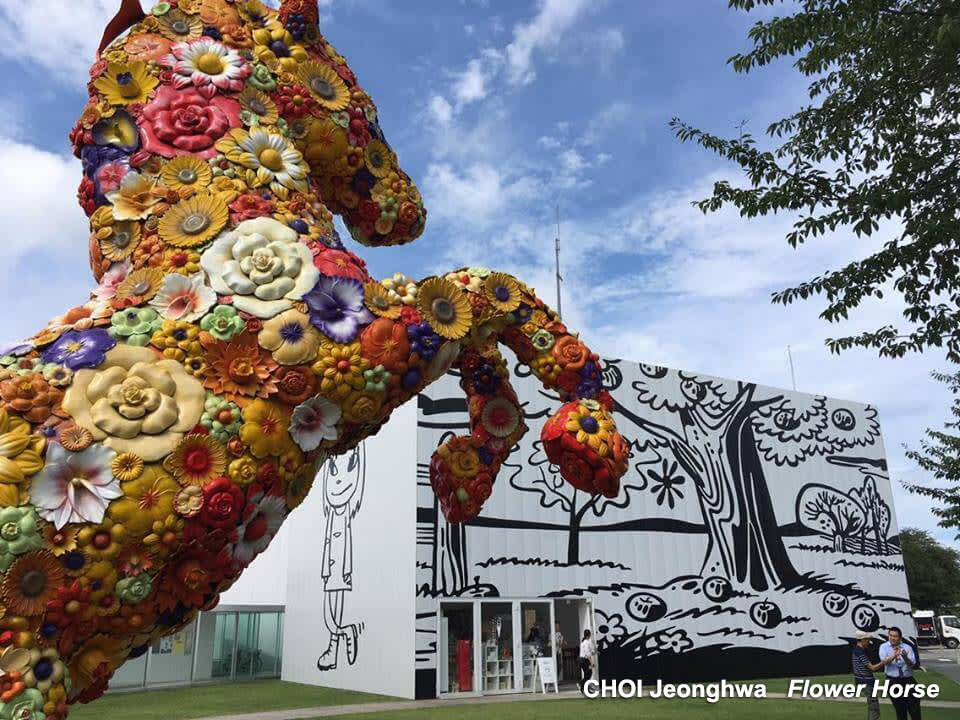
<point>7,360</point>
<point>478,271</point>
<point>376,379</point>
<point>131,590</point>
<point>223,323</point>
<point>221,417</point>
<point>262,78</point>
<point>57,375</point>
<point>28,705</point>
<point>18,533</point>
<point>29,366</point>
<point>135,326</point>
<point>542,340</point>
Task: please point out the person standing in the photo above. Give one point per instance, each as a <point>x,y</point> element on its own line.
<point>558,643</point>
<point>863,671</point>
<point>586,659</point>
<point>899,670</point>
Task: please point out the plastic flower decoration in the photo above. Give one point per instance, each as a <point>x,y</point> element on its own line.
<point>270,159</point>
<point>80,349</point>
<point>208,65</point>
<point>183,297</point>
<point>262,264</point>
<point>185,121</point>
<point>313,422</point>
<point>126,84</point>
<point>337,308</point>
<point>135,402</point>
<point>75,486</point>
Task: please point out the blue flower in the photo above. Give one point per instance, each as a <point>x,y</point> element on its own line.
<point>337,309</point>
<point>423,340</point>
<point>77,350</point>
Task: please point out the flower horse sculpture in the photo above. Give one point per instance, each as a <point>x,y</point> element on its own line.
<point>153,439</point>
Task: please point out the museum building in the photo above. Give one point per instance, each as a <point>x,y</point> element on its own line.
<point>753,535</point>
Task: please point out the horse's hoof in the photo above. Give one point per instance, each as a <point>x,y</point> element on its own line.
<point>582,440</point>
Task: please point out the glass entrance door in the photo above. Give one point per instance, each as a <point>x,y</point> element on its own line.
<point>536,639</point>
<point>497,647</point>
<point>457,646</point>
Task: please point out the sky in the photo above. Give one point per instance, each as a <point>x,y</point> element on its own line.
<point>501,112</point>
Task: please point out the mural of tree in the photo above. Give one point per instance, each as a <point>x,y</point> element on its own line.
<point>719,431</point>
<point>831,513</point>
<point>553,491</point>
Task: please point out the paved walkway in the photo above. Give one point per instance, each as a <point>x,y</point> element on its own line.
<point>337,710</point>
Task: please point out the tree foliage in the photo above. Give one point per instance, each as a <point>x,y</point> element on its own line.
<point>878,145</point>
<point>933,571</point>
<point>939,455</point>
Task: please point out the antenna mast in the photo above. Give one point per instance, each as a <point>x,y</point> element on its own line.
<point>557,252</point>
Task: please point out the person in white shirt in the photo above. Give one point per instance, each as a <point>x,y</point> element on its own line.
<point>900,660</point>
<point>586,658</point>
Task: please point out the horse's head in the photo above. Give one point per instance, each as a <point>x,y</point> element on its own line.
<point>202,92</point>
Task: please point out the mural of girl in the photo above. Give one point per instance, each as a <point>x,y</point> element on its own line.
<point>342,495</point>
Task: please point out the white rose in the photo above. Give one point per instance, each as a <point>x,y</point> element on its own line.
<point>262,264</point>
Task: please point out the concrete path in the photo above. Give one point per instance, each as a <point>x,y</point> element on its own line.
<point>338,710</point>
<point>942,660</point>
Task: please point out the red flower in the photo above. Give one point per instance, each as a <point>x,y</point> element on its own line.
<point>340,263</point>
<point>369,210</point>
<point>184,122</point>
<point>358,132</point>
<point>249,206</point>
<point>222,503</point>
<point>410,316</point>
<point>294,100</point>
<point>85,194</point>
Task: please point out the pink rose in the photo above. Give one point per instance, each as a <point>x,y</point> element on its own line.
<point>184,122</point>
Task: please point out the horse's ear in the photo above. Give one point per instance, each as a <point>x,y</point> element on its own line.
<point>130,14</point>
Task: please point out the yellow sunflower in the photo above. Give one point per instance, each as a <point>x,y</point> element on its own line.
<point>140,285</point>
<point>186,174</point>
<point>126,84</point>
<point>117,238</point>
<point>325,85</point>
<point>379,158</point>
<point>259,104</point>
<point>502,291</point>
<point>445,307</point>
<point>194,221</point>
<point>379,302</point>
<point>127,466</point>
<point>178,26</point>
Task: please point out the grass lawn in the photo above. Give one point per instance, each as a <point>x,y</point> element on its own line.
<point>205,700</point>
<point>649,710</point>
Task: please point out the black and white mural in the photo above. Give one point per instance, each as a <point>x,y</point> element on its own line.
<point>753,535</point>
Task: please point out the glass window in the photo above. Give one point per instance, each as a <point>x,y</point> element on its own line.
<point>456,647</point>
<point>267,635</point>
<point>171,657</point>
<point>951,621</point>
<point>248,655</point>
<point>280,645</point>
<point>536,640</point>
<point>496,627</point>
<point>218,634</point>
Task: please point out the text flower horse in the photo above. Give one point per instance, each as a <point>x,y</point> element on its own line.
<point>153,439</point>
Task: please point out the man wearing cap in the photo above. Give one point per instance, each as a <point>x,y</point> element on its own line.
<point>900,660</point>
<point>863,671</point>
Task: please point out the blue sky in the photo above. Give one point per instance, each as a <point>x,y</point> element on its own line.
<point>500,111</point>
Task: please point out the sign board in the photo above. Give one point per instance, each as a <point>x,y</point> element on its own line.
<point>547,671</point>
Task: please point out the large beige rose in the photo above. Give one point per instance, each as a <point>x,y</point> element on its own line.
<point>135,401</point>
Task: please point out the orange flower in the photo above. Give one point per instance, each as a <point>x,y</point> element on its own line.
<point>384,342</point>
<point>32,582</point>
<point>571,354</point>
<point>239,368</point>
<point>32,397</point>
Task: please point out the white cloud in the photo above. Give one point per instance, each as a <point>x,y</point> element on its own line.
<point>472,83</point>
<point>549,142</point>
<point>544,30</point>
<point>475,197</point>
<point>40,204</point>
<point>440,109</point>
<point>59,36</point>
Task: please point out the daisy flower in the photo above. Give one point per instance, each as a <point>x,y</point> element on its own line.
<point>208,65</point>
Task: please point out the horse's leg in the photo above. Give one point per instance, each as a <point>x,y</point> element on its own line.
<point>581,438</point>
<point>463,468</point>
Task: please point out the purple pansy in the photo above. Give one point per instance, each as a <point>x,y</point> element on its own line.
<point>337,309</point>
<point>590,381</point>
<point>80,349</point>
<point>423,340</point>
<point>15,349</point>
